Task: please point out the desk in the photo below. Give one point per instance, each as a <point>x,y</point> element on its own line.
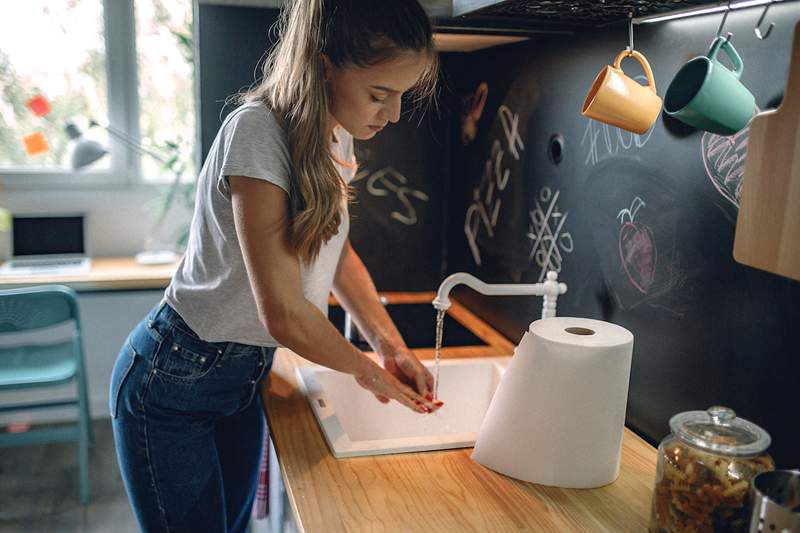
<point>107,273</point>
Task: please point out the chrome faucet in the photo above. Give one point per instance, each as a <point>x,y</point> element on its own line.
<point>550,289</point>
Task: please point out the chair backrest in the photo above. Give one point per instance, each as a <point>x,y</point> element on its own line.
<point>37,307</point>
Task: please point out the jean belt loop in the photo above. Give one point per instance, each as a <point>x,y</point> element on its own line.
<point>161,305</point>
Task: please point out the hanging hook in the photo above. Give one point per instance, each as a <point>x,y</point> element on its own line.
<point>630,32</point>
<point>722,23</point>
<point>757,29</point>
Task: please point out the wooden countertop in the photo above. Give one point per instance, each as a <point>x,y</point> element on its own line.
<point>107,273</point>
<point>436,491</point>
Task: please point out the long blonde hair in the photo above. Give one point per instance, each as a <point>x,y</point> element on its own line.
<point>348,32</point>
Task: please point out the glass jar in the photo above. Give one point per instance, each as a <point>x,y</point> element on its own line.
<point>704,470</point>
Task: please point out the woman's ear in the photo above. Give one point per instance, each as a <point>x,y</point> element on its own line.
<point>326,66</point>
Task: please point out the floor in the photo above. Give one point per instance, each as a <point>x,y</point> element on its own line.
<point>39,489</point>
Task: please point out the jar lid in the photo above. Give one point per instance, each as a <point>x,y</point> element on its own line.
<point>718,430</point>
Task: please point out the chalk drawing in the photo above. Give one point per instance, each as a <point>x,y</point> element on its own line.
<point>637,248</point>
<point>390,182</point>
<point>472,109</point>
<point>546,233</point>
<point>724,161</point>
<point>484,211</point>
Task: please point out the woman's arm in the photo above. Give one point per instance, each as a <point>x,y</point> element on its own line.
<point>355,291</point>
<point>261,217</point>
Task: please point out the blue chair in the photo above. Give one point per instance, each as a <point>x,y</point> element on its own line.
<point>30,365</point>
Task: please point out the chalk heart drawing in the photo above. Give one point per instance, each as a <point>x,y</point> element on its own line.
<point>724,159</point>
<point>637,248</point>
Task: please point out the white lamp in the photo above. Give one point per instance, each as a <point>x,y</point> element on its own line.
<point>85,151</point>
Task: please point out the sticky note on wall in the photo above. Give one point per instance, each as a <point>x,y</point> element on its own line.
<point>5,219</point>
<point>38,105</point>
<point>36,143</point>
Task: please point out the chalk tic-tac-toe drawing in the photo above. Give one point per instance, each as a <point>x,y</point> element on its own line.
<point>604,141</point>
<point>484,211</point>
<point>724,159</point>
<point>546,232</point>
<point>388,181</point>
<point>637,248</point>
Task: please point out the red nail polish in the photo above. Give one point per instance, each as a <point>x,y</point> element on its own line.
<point>438,404</point>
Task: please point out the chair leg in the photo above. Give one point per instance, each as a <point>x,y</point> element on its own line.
<point>85,410</point>
<point>87,413</point>
<point>84,466</point>
<point>86,438</point>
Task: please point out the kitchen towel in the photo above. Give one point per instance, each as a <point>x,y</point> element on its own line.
<point>261,502</point>
<point>558,414</point>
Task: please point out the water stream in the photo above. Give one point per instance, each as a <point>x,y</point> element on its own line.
<point>439,327</point>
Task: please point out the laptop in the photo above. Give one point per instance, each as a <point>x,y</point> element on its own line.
<point>47,245</point>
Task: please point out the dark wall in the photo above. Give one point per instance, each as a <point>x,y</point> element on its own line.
<point>397,223</point>
<point>707,329</point>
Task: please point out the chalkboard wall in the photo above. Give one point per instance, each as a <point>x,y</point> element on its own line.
<point>397,223</point>
<point>707,330</point>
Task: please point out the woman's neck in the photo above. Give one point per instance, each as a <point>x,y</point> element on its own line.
<point>332,125</point>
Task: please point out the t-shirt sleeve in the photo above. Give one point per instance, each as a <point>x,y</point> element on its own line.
<point>254,145</point>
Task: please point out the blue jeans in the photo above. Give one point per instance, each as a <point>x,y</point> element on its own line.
<point>188,425</point>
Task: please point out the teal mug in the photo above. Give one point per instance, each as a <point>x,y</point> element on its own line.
<point>708,96</point>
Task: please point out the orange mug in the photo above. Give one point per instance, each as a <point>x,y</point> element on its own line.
<point>620,101</point>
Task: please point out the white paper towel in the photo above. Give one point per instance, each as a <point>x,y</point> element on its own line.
<point>558,414</point>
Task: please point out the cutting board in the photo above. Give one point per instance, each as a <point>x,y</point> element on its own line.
<point>768,227</point>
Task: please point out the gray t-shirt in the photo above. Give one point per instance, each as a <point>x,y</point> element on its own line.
<point>210,289</point>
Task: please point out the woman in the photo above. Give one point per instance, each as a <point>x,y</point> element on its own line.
<point>268,243</point>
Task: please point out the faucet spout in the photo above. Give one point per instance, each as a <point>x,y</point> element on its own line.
<point>550,289</point>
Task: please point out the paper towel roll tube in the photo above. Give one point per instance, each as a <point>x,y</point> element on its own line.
<point>558,414</point>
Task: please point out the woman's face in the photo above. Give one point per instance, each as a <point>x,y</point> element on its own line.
<point>364,100</point>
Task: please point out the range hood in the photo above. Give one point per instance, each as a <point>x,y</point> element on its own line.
<point>576,14</point>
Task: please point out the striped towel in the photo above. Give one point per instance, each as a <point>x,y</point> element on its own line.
<point>261,503</point>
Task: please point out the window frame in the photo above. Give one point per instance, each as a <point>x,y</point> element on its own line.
<point>119,30</point>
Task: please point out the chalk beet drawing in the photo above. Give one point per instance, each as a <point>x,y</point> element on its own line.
<point>637,248</point>
<point>546,233</point>
<point>724,159</point>
<point>484,211</point>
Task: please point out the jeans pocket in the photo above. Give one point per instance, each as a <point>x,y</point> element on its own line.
<point>122,367</point>
<point>185,359</point>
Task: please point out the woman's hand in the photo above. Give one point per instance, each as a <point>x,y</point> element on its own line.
<point>404,365</point>
<point>385,386</point>
<point>406,368</point>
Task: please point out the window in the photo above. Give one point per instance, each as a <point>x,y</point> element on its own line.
<point>165,59</point>
<point>53,50</point>
<point>76,60</point>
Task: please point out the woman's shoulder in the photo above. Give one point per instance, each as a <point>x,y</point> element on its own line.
<point>254,118</point>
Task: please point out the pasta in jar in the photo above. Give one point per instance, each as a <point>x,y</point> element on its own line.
<point>704,471</point>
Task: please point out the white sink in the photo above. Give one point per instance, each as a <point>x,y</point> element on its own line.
<point>354,423</point>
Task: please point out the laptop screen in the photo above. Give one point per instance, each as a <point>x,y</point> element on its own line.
<point>47,235</point>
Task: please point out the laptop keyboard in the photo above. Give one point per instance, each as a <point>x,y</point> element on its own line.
<point>23,263</point>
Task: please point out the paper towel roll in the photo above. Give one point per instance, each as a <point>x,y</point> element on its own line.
<point>558,414</point>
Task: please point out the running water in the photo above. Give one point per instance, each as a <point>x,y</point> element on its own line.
<point>439,327</point>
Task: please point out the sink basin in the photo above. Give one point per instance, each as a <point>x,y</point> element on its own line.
<point>354,423</point>
<point>417,324</point>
